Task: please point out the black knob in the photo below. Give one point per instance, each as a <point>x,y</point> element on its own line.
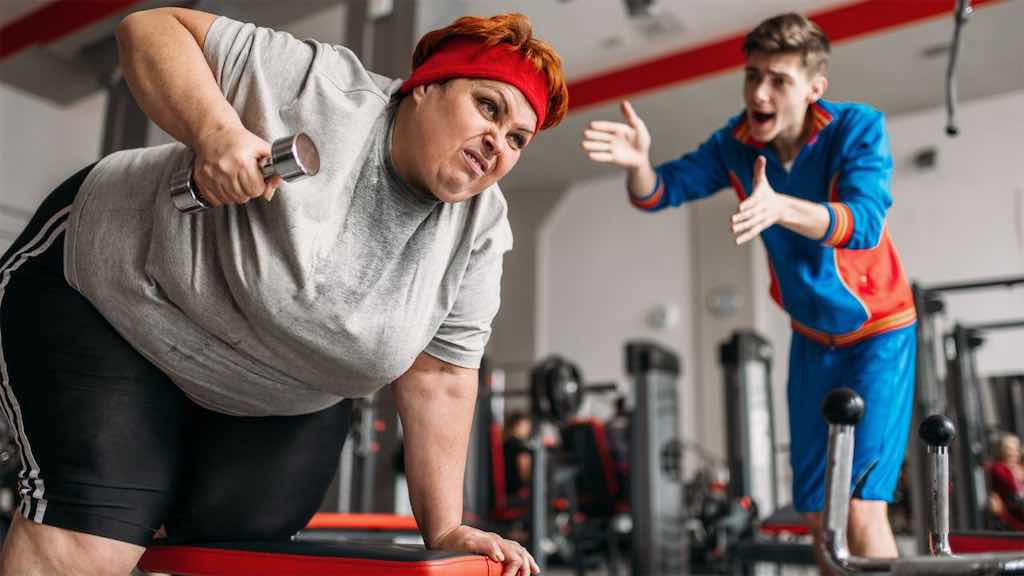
<point>937,430</point>
<point>843,406</point>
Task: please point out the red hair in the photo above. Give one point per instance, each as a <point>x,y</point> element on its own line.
<point>516,31</point>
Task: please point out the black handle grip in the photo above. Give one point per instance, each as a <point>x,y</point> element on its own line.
<point>937,430</point>
<point>843,406</point>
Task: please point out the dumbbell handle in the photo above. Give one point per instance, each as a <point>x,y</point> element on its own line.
<point>292,158</point>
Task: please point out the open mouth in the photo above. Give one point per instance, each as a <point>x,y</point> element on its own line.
<point>762,117</point>
<point>476,163</point>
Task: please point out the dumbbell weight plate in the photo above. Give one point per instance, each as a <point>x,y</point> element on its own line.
<point>292,158</point>
<point>556,389</point>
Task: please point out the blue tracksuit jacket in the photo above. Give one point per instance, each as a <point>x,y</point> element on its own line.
<point>846,286</point>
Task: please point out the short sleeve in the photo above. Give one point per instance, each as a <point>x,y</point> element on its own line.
<point>464,333</point>
<point>257,69</point>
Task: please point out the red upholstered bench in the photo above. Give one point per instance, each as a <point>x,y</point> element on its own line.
<point>975,542</point>
<point>784,521</point>
<point>350,558</point>
<point>385,522</point>
<point>784,528</point>
<point>332,527</point>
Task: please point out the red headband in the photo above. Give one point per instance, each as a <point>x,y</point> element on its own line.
<point>464,57</point>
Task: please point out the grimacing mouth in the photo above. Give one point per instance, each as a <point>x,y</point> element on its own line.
<point>479,159</point>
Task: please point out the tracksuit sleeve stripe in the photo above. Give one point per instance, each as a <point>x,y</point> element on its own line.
<point>841,227</point>
<point>651,200</point>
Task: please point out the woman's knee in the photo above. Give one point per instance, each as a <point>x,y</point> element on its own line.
<point>32,548</point>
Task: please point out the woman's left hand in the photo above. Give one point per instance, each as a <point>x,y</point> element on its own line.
<point>517,561</point>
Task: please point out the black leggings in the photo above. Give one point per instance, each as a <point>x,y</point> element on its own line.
<point>110,446</point>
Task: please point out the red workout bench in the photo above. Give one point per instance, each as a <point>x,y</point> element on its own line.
<point>350,558</point>
<point>333,527</point>
<point>327,546</point>
<point>343,521</point>
<point>973,542</point>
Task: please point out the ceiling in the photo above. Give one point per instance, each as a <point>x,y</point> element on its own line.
<point>593,36</point>
<point>897,70</point>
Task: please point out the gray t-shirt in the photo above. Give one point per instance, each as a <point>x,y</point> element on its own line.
<point>329,291</point>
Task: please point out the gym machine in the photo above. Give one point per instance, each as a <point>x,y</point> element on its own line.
<point>930,390</point>
<point>750,534</point>
<point>964,392</point>
<point>659,546</point>
<point>843,409</point>
<point>746,360</point>
<point>556,391</point>
<point>1007,392</point>
<point>555,394</point>
<point>367,478</point>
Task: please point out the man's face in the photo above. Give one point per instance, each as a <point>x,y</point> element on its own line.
<point>470,133</point>
<point>777,90</point>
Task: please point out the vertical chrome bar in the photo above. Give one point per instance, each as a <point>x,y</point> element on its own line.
<point>938,536</point>
<point>837,492</point>
<point>538,493</point>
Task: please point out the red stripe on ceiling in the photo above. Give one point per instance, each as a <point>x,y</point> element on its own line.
<point>54,20</point>
<point>842,23</point>
<point>62,17</point>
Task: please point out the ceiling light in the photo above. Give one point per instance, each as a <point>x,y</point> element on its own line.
<point>636,8</point>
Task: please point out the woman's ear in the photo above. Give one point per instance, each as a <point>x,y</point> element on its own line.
<point>419,93</point>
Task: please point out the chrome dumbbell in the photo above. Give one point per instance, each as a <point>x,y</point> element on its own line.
<point>292,158</point>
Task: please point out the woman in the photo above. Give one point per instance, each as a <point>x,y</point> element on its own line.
<point>1006,477</point>
<point>516,450</point>
<point>188,372</point>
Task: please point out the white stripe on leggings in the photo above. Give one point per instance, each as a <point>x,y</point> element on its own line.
<point>33,484</point>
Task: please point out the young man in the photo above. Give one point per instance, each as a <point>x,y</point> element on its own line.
<point>812,178</point>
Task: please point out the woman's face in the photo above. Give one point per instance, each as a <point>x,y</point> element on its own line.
<point>468,134</point>
<point>522,429</point>
<point>1010,449</point>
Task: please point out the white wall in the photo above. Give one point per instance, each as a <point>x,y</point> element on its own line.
<point>964,219</point>
<point>42,145</point>
<point>603,268</point>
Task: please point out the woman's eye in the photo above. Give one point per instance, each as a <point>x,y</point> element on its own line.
<point>490,108</point>
<point>518,141</point>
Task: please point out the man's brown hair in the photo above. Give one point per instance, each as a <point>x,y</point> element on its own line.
<point>793,34</point>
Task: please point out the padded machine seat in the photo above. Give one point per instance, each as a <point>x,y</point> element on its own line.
<point>984,542</point>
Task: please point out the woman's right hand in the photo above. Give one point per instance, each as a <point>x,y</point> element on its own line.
<point>227,166</point>
<point>623,144</point>
<point>516,560</point>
